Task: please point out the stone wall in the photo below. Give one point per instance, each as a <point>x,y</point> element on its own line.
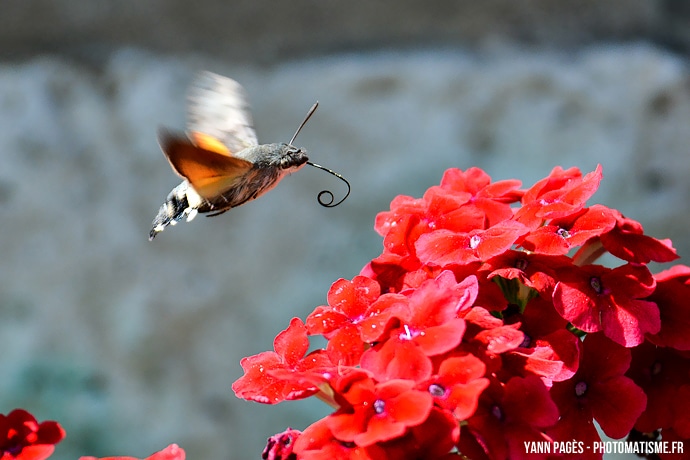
<point>265,31</point>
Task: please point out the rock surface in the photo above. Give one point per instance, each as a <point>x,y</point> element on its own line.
<point>266,31</point>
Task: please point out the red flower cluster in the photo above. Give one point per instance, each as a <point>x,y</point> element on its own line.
<point>23,438</point>
<point>484,324</point>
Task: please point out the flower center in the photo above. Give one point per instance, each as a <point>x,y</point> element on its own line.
<point>497,412</point>
<point>521,264</point>
<point>563,233</point>
<point>474,241</point>
<point>437,390</point>
<point>595,283</point>
<point>407,335</point>
<point>580,389</point>
<point>379,406</point>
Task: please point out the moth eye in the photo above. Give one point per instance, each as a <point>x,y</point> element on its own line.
<point>292,149</point>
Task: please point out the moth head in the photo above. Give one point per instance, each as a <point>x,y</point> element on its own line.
<point>292,157</point>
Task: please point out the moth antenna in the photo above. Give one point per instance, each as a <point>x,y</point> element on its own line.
<point>322,202</point>
<point>306,119</point>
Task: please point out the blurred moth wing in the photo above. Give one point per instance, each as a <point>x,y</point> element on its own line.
<point>218,109</point>
<point>209,171</point>
<point>207,142</point>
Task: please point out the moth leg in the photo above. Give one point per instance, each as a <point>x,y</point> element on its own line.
<point>218,213</point>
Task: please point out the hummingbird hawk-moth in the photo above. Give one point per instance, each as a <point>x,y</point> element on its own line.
<point>220,159</point>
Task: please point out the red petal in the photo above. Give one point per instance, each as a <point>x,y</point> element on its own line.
<point>501,339</point>
<point>395,359</point>
<point>628,242</point>
<point>50,432</point>
<point>669,296</point>
<point>379,429</point>
<point>292,343</point>
<point>172,452</point>
<point>440,339</point>
<point>499,238</point>
<point>410,408</point>
<point>345,348</point>
<point>528,399</point>
<point>444,247</point>
<point>628,323</point>
<point>616,404</point>
<point>35,452</point>
<point>602,358</point>
<point>324,320</point>
<point>353,297</point>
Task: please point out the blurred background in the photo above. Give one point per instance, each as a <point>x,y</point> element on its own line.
<point>133,345</point>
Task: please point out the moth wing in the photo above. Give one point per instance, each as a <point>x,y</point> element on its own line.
<point>210,173</point>
<point>218,108</point>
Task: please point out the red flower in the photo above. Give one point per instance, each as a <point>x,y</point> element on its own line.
<point>401,207</point>
<point>373,412</point>
<point>487,338</point>
<point>427,315</point>
<point>548,349</point>
<point>664,375</point>
<point>266,375</point>
<point>628,242</point>
<point>458,384</point>
<point>281,446</point>
<point>599,391</point>
<point>536,271</point>
<point>462,203</point>
<point>433,321</point>
<point>399,256</point>
<point>559,236</point>
<point>509,415</point>
<point>559,195</point>
<point>595,298</point>
<point>445,247</point>
<point>552,357</point>
<point>349,303</point>
<point>317,442</point>
<point>400,228</point>
<point>23,438</point>
<point>671,293</point>
<point>491,333</point>
<point>538,319</point>
<point>492,199</point>
<point>414,354</point>
<point>397,359</point>
<point>431,440</point>
<point>452,210</point>
<point>387,312</point>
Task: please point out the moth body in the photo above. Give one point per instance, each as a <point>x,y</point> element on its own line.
<point>269,164</point>
<point>220,159</point>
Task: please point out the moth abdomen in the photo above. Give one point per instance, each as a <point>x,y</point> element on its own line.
<point>181,202</point>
